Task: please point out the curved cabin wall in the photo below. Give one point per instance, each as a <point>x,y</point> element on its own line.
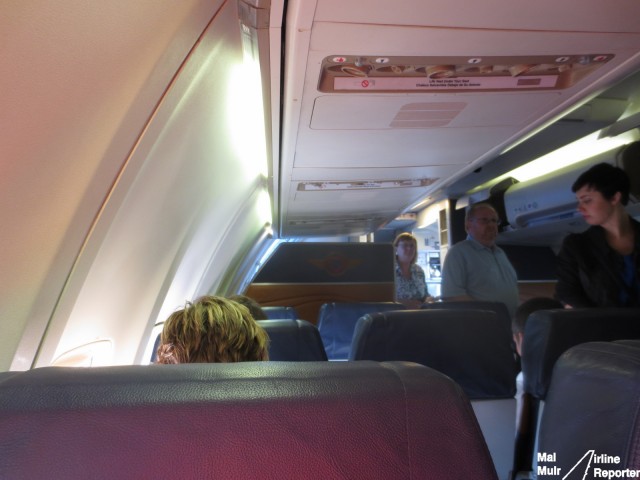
<point>188,202</point>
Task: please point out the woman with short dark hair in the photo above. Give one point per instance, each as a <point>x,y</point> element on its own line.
<point>600,267</point>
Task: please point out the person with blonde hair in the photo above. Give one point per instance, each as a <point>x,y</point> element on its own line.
<point>410,280</point>
<point>212,330</point>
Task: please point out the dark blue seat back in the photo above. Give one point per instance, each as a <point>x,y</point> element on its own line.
<point>337,321</point>
<point>592,408</point>
<point>549,333</point>
<point>498,307</point>
<point>293,340</point>
<point>473,348</point>
<point>317,420</point>
<point>280,313</point>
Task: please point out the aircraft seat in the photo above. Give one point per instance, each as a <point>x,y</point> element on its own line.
<point>498,307</point>
<point>314,420</point>
<point>337,320</point>
<point>548,334</point>
<point>293,340</point>
<point>471,347</point>
<point>591,412</point>
<point>280,313</point>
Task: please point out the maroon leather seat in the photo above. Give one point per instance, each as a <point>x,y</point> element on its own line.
<point>280,420</point>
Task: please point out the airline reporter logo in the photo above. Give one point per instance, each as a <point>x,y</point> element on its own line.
<point>590,466</point>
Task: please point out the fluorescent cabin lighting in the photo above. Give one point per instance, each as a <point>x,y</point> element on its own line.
<point>575,152</point>
<point>246,118</point>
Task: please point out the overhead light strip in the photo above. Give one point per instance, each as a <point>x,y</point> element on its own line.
<point>364,185</point>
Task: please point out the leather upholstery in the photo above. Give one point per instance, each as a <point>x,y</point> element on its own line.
<point>549,333</point>
<point>498,307</point>
<point>593,403</point>
<point>311,420</point>
<point>337,320</point>
<point>472,347</point>
<point>293,340</point>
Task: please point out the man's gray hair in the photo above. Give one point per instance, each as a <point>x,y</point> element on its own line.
<point>476,206</point>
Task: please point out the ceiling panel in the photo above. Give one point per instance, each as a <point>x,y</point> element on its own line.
<point>395,148</point>
<point>585,16</point>
<point>352,112</point>
<point>361,135</point>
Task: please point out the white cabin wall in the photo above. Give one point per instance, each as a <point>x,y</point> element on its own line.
<point>174,220</point>
<point>189,198</point>
<point>79,82</point>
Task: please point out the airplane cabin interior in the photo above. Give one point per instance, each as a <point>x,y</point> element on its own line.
<point>156,151</point>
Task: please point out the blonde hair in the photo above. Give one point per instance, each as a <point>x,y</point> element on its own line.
<point>407,237</point>
<point>212,330</point>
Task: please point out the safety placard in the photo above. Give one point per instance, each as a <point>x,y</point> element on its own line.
<point>458,83</point>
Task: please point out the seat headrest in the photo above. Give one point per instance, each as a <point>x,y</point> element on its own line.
<point>549,333</point>
<point>593,405</point>
<point>473,347</point>
<point>498,307</point>
<point>337,320</point>
<point>293,341</point>
<point>243,421</point>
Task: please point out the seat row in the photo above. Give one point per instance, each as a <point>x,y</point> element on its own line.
<point>306,420</point>
<point>470,342</point>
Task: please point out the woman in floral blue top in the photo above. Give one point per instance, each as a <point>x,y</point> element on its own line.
<point>411,285</point>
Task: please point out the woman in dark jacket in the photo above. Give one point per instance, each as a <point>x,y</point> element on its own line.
<point>600,267</point>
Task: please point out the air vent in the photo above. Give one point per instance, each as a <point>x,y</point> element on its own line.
<point>351,74</point>
<point>427,115</point>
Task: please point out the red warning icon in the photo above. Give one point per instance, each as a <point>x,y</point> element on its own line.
<point>365,83</point>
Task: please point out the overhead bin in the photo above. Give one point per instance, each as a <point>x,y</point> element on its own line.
<point>549,198</point>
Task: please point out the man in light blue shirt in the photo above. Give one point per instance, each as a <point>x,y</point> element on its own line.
<point>476,268</point>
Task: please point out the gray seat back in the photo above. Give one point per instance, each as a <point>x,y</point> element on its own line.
<point>549,333</point>
<point>592,409</point>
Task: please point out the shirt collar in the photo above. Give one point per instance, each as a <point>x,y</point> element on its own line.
<point>479,246</point>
